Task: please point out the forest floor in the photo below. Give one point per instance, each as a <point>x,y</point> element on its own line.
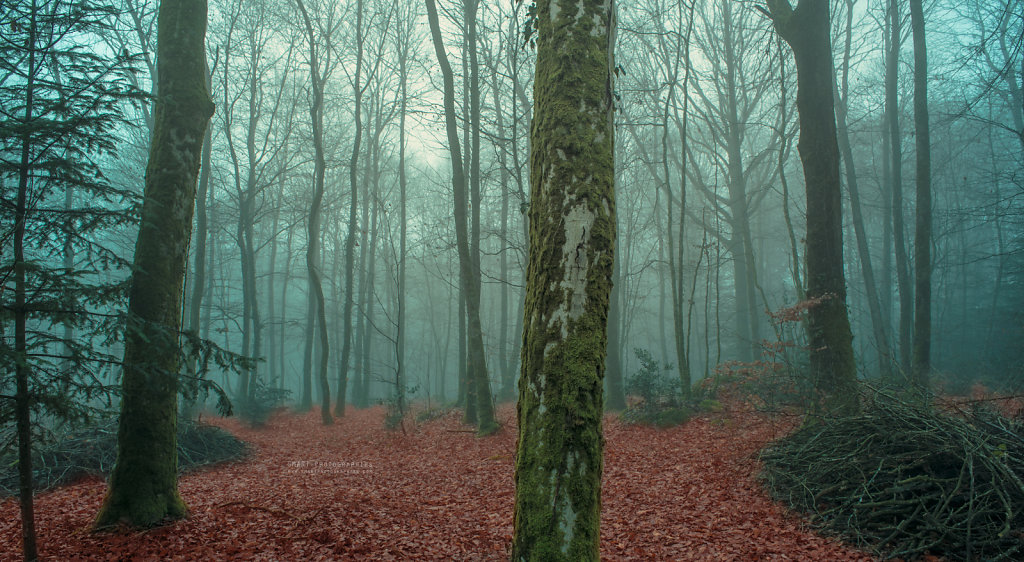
<point>355,491</point>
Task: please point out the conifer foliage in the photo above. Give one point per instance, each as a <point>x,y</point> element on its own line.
<point>62,105</point>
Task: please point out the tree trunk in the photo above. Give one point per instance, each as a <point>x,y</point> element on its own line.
<point>504,364</point>
<point>467,272</point>
<point>572,246</point>
<point>741,242</point>
<point>195,304</point>
<point>317,305</point>
<point>878,324</point>
<point>892,112</point>
<point>785,142</point>
<point>350,240</point>
<point>833,369</point>
<point>616,400</point>
<point>22,369</point>
<point>144,483</point>
<point>406,30</point>
<point>921,360</point>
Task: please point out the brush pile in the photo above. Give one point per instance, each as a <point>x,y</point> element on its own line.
<point>92,450</point>
<point>905,479</point>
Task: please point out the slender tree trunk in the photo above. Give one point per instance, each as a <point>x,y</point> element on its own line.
<point>199,258</point>
<point>572,247</point>
<point>400,336</point>
<point>878,325</point>
<point>921,370</point>
<point>287,273</point>
<point>461,386</point>
<point>504,365</point>
<point>22,371</point>
<point>350,239</point>
<point>317,305</point>
<point>892,112</point>
<point>362,367</point>
<point>480,375</point>
<point>833,369</point>
<point>273,328</point>
<point>784,147</point>
<point>144,483</point>
<point>467,272</point>
<point>370,280</point>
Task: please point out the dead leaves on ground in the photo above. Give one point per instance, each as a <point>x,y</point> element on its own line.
<point>353,491</point>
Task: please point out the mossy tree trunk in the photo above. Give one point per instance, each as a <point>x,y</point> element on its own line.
<point>806,29</point>
<point>572,238</point>
<point>144,483</point>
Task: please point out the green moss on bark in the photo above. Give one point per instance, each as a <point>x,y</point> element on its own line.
<point>144,486</point>
<point>572,234</point>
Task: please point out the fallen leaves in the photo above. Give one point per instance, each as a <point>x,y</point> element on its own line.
<point>353,491</point>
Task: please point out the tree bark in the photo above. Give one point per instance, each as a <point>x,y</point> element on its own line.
<point>467,273</point>
<point>572,246</point>
<point>318,307</point>
<point>833,369</point>
<point>350,240</point>
<point>616,400</point>
<point>405,30</point>
<point>22,369</point>
<point>892,112</point>
<point>921,360</point>
<point>144,483</point>
<point>878,324</point>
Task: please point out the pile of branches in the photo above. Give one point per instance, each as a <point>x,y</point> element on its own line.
<point>905,479</point>
<point>92,450</point>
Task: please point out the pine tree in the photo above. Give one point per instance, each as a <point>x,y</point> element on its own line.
<point>62,106</point>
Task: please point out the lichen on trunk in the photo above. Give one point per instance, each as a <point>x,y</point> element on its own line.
<point>572,237</point>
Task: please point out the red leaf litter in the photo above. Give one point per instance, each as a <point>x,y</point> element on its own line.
<point>354,491</point>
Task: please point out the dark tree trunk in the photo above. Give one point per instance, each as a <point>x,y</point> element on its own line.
<point>317,304</point>
<point>892,112</point>
<point>144,483</point>
<point>22,370</point>
<point>350,239</point>
<point>921,360</point>
<point>878,324</point>
<point>467,272</point>
<point>833,369</point>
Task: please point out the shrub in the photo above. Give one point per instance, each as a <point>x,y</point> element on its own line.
<point>257,408</point>
<point>659,395</point>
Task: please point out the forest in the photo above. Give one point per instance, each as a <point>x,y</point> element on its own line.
<point>539,280</point>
